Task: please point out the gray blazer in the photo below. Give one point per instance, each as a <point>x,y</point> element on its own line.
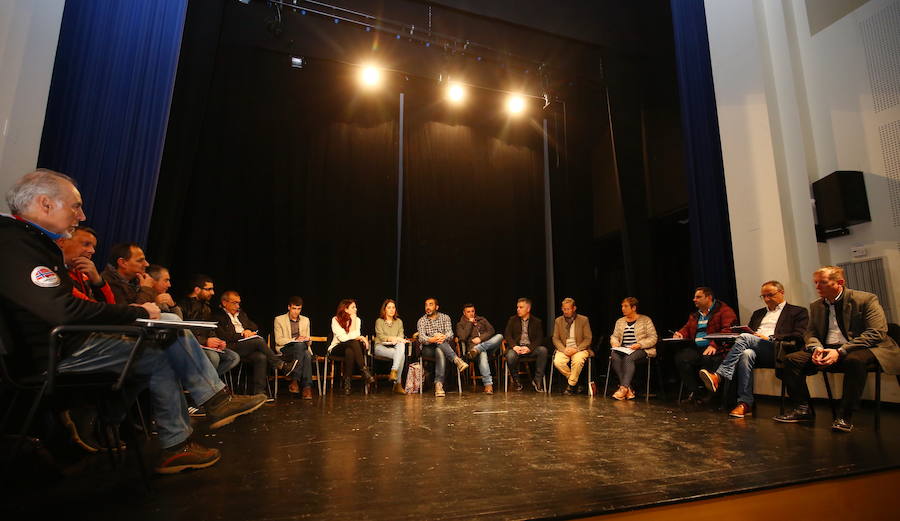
<point>643,330</point>
<point>865,327</point>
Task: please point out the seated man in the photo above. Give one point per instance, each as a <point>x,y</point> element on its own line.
<point>126,274</point>
<point>435,335</point>
<point>524,335</point>
<point>848,331</point>
<point>195,306</point>
<point>477,334</point>
<point>572,339</point>
<point>46,205</point>
<point>292,341</point>
<point>78,250</point>
<point>240,334</point>
<point>712,316</point>
<point>162,281</point>
<point>778,321</point>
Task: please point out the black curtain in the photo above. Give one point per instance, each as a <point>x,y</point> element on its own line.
<point>473,226</point>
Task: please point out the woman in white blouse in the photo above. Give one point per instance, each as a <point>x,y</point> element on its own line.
<point>633,339</point>
<point>348,341</point>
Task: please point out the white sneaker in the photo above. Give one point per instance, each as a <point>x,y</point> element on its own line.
<point>439,390</point>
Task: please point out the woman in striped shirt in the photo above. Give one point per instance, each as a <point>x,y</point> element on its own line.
<point>633,339</point>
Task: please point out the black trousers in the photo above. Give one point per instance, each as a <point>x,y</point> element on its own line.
<point>257,354</point>
<point>855,367</point>
<point>538,352</point>
<point>352,352</point>
<point>690,360</point>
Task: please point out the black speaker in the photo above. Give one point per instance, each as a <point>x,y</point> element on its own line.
<point>841,200</point>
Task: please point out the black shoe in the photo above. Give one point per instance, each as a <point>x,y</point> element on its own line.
<point>570,391</point>
<point>367,375</point>
<point>581,390</point>
<point>517,385</point>
<point>841,425</point>
<point>538,385</point>
<point>347,388</point>
<point>222,410</point>
<point>801,414</point>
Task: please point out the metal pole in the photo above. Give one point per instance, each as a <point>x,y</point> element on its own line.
<point>548,236</point>
<point>399,198</point>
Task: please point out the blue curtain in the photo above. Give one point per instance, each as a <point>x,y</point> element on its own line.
<point>109,105</point>
<point>713,259</point>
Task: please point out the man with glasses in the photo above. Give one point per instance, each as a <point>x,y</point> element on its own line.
<point>241,335</point>
<point>195,306</point>
<point>778,321</point>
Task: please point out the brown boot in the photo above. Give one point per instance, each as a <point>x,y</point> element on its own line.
<point>488,389</point>
<point>307,393</point>
<point>294,387</point>
<point>398,389</point>
<point>393,376</point>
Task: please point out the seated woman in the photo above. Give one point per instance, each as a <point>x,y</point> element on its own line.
<point>633,339</point>
<point>348,342</point>
<point>389,341</point>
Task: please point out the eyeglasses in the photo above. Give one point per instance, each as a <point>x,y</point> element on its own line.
<point>769,295</point>
<point>238,302</point>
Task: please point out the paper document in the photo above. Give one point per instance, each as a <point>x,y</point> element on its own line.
<point>625,350</point>
<point>177,323</point>
<point>249,338</point>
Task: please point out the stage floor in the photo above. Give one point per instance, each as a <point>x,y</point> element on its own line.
<point>515,456</point>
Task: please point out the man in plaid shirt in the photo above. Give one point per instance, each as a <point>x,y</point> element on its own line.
<point>435,334</point>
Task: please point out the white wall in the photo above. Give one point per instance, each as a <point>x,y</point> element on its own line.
<point>29,31</point>
<point>793,107</point>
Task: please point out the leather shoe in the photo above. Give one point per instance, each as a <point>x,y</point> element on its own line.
<point>710,380</point>
<point>570,391</point>
<point>517,385</point>
<point>538,385</point>
<point>841,425</point>
<point>294,387</point>
<point>307,393</point>
<point>741,410</point>
<point>801,414</point>
<point>488,389</point>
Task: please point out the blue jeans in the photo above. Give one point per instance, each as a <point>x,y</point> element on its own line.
<point>396,353</point>
<point>161,370</point>
<point>440,364</point>
<point>222,361</point>
<point>747,351</point>
<point>484,350</point>
<point>300,352</point>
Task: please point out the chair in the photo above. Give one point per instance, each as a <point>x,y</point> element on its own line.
<point>530,358</point>
<point>590,374</point>
<point>433,359</point>
<point>46,383</point>
<point>649,361</point>
<point>462,347</point>
<point>373,357</point>
<point>270,339</point>
<point>335,359</point>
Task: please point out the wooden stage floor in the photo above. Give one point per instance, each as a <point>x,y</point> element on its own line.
<point>515,456</point>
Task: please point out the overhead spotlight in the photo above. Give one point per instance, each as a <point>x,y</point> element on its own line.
<point>298,62</point>
<point>370,76</point>
<point>455,92</point>
<point>515,104</point>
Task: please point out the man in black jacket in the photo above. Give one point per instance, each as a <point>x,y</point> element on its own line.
<point>477,334</point>
<point>242,336</point>
<point>195,306</point>
<point>778,321</point>
<point>524,336</point>
<point>36,296</point>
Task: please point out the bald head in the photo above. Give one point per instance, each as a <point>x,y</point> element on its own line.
<point>48,199</point>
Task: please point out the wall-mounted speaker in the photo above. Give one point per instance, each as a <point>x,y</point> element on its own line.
<point>841,201</point>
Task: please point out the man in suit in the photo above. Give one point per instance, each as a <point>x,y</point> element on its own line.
<point>525,335</point>
<point>241,336</point>
<point>572,339</point>
<point>712,316</point>
<point>292,341</point>
<point>778,321</point>
<point>848,332</point>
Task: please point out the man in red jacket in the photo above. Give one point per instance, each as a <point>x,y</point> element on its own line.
<point>712,316</point>
<point>78,250</point>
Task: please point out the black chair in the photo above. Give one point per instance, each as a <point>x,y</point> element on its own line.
<point>524,360</point>
<point>44,384</point>
<point>339,359</point>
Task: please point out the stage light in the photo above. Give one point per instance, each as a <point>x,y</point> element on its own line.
<point>297,62</point>
<point>515,104</point>
<point>370,76</point>
<point>455,93</point>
